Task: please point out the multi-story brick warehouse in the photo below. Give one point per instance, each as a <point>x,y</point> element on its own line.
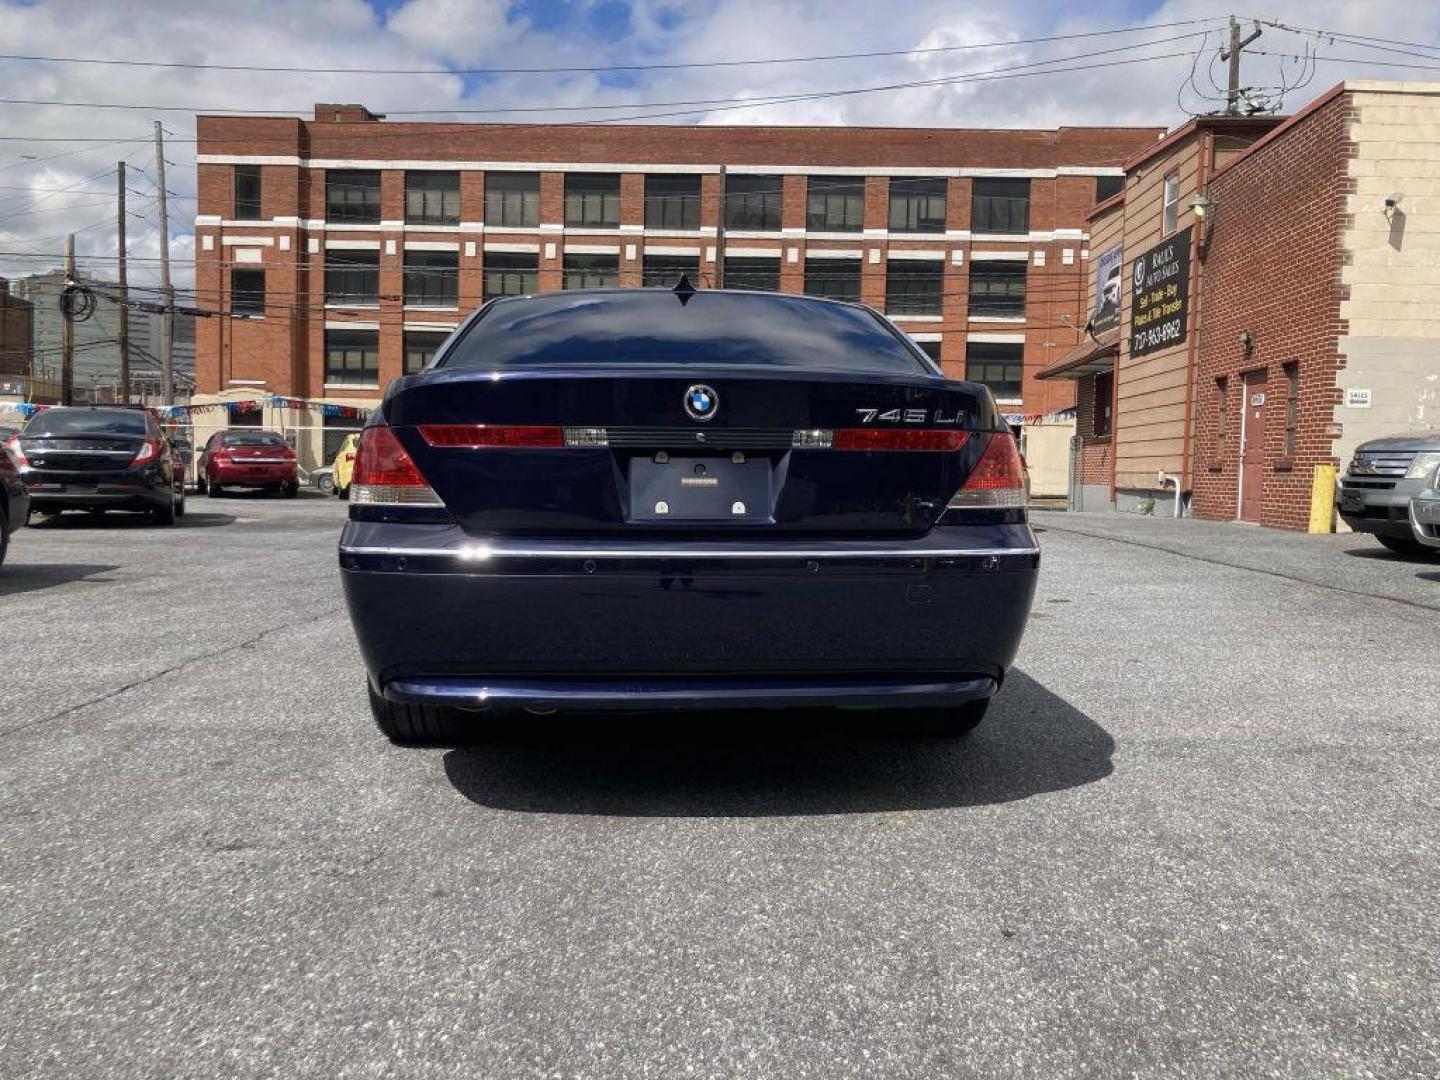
<point>351,244</point>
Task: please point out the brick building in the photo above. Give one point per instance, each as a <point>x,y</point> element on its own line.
<point>16,326</point>
<point>339,251</point>
<point>1321,326</point>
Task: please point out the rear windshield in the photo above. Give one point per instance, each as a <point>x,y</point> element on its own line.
<point>651,327</point>
<point>252,438</point>
<point>87,422</point>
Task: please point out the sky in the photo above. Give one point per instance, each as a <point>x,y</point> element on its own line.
<point>978,65</point>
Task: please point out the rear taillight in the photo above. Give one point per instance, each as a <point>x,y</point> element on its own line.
<point>386,474</point>
<point>932,439</point>
<point>482,436</point>
<point>149,451</point>
<point>12,444</point>
<point>998,478</point>
<point>913,439</point>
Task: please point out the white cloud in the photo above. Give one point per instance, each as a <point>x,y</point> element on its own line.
<point>485,33</point>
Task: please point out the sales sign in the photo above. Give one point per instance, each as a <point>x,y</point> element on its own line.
<point>1160,295</point>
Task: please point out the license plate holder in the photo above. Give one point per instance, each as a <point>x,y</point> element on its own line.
<point>713,490</point>
<point>1352,502</point>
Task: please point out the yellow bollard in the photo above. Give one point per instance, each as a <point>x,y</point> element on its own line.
<point>1322,500</point>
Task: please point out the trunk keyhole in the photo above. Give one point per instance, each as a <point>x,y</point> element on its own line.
<point>700,469</point>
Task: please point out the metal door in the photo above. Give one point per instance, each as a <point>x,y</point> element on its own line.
<point>1252,447</point>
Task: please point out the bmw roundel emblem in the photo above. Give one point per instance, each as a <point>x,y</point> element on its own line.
<point>701,402</point>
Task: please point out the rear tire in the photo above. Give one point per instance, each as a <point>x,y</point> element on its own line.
<point>954,722</point>
<point>215,491</point>
<point>344,492</point>
<point>326,485</point>
<point>199,485</point>
<point>1403,545</point>
<point>291,490</point>
<point>164,515</point>
<point>180,506</point>
<point>419,725</point>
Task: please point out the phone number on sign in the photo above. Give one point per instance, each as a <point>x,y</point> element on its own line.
<point>1159,335</point>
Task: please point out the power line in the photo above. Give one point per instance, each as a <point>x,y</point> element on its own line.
<point>704,105</point>
<point>600,69</point>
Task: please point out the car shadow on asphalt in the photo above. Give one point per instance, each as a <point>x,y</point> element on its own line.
<point>752,765</point>
<point>121,520</point>
<point>16,578</point>
<point>1380,554</point>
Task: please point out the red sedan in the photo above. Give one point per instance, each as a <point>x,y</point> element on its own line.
<point>247,458</point>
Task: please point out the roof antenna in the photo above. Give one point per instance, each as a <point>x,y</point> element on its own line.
<point>683,289</point>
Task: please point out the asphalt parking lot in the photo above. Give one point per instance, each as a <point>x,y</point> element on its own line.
<point>1197,836</point>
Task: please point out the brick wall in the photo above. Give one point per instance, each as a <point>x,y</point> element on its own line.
<point>1272,268</point>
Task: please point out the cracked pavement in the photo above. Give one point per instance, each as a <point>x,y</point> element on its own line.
<point>1196,837</point>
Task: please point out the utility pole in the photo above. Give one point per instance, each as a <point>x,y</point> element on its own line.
<point>67,328</point>
<point>1232,54</point>
<point>720,237</point>
<point>123,286</point>
<point>167,294</point>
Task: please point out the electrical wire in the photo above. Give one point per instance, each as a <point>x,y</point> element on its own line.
<point>607,68</point>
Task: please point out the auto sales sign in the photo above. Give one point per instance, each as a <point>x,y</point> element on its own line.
<point>1160,295</point>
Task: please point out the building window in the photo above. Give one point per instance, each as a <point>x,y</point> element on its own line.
<point>432,198</point>
<point>997,290</point>
<point>592,271</point>
<point>512,200</point>
<point>914,286</point>
<point>247,192</point>
<point>930,349</point>
<point>592,200</point>
<point>672,202</point>
<point>917,205</point>
<point>1222,416</point>
<point>1104,403</point>
<point>835,204</point>
<point>1107,187</point>
<point>839,279</point>
<point>1170,218</point>
<point>753,274</point>
<point>754,202</point>
<point>511,274</point>
<point>352,277</point>
<point>353,195</point>
<point>999,365</point>
<point>432,278</point>
<point>246,417</point>
<point>352,357</point>
<point>420,346</point>
<point>999,205</point>
<point>247,292</point>
<point>1292,405</point>
<point>664,271</point>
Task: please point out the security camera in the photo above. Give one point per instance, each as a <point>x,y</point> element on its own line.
<point>1393,201</point>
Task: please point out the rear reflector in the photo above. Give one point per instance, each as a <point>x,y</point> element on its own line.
<point>998,478</point>
<point>385,474</point>
<point>942,439</point>
<point>484,436</point>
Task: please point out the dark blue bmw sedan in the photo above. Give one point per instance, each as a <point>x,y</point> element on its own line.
<point>641,499</point>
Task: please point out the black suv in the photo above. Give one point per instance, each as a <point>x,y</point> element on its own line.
<point>100,457</point>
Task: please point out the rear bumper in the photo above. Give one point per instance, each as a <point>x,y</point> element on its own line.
<point>441,618</point>
<point>251,475</point>
<point>111,494</point>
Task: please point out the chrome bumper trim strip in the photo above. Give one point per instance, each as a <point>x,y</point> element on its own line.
<point>485,552</point>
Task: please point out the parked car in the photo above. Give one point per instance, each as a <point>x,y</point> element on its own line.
<point>99,457</point>
<point>344,464</point>
<point>14,499</point>
<point>1425,513</point>
<point>637,499</point>
<point>1381,479</point>
<point>247,458</point>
